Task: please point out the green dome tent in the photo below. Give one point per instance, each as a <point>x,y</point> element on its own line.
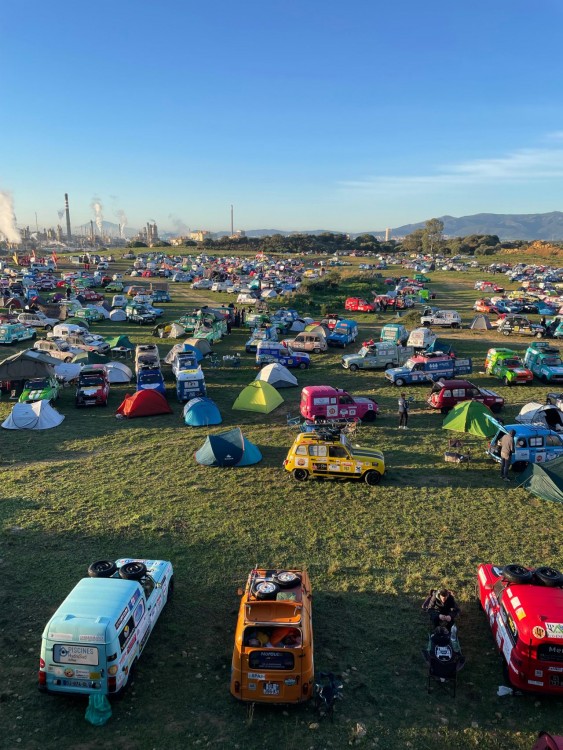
<point>258,396</point>
<point>545,480</point>
<point>473,417</point>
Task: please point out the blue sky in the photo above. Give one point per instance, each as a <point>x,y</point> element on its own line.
<point>304,115</point>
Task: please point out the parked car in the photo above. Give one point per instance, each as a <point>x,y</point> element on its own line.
<point>40,389</point>
<point>506,365</point>
<point>160,295</point>
<point>273,651</point>
<point>343,333</point>
<point>447,318</point>
<point>521,325</point>
<point>424,368</point>
<point>381,355</point>
<point>140,315</point>
<point>276,351</point>
<point>524,608</point>
<point>94,638</point>
<point>93,386</point>
<point>58,348</point>
<point>395,333</point>
<point>150,378</point>
<point>533,444</point>
<point>327,453</point>
<point>37,320</point>
<point>445,394</point>
<point>89,314</point>
<point>357,304</point>
<point>10,333</point>
<point>545,362</point>
<point>323,403</point>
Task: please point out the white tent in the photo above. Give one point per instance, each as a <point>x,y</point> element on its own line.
<point>176,331</point>
<point>545,415</point>
<point>117,315</point>
<point>297,326</point>
<point>67,371</point>
<point>481,323</point>
<point>102,310</point>
<point>38,415</point>
<point>118,372</point>
<point>277,375</point>
<point>269,294</point>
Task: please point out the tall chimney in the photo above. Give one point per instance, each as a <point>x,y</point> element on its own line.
<point>232,222</point>
<point>91,229</point>
<point>67,211</point>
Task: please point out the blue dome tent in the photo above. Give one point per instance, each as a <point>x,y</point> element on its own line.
<point>229,448</point>
<point>201,412</point>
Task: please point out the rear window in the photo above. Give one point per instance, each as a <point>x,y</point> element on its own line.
<point>66,654</point>
<point>271,660</point>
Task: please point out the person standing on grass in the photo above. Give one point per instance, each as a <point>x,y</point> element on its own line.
<point>506,451</point>
<point>403,412</point>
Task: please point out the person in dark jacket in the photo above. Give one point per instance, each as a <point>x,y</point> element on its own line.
<point>506,450</point>
<point>442,608</point>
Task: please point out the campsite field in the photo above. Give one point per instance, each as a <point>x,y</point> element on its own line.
<point>101,488</point>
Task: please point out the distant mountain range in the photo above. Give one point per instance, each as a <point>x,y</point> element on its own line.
<point>547,226</point>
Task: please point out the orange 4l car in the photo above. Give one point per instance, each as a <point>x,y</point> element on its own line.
<point>273,651</point>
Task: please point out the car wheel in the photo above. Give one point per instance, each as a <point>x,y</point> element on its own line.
<point>302,365</point>
<point>519,466</point>
<point>548,576</point>
<point>353,368</point>
<point>544,379</point>
<point>133,571</point>
<point>369,416</point>
<point>286,579</point>
<point>316,351</point>
<point>539,335</point>
<point>445,410</point>
<point>506,333</point>
<point>48,328</point>
<point>516,573</point>
<point>265,590</point>
<point>399,382</point>
<point>507,382</point>
<point>372,478</point>
<point>102,569</point>
<point>389,366</point>
<point>301,475</point>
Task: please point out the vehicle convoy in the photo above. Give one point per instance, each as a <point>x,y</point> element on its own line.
<point>532,444</point>
<point>95,637</point>
<point>273,651</point>
<point>524,607</point>
<point>521,325</point>
<point>545,362</point>
<point>428,367</point>
<point>448,318</point>
<point>506,365</point>
<point>93,386</point>
<point>322,403</point>
<point>445,394</point>
<point>40,389</point>
<point>276,351</point>
<point>381,355</point>
<point>326,452</point>
<point>343,333</point>
<point>12,332</point>
<point>357,304</point>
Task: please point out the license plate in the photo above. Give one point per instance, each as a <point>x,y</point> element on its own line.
<point>77,683</point>
<point>271,688</point>
<point>554,679</point>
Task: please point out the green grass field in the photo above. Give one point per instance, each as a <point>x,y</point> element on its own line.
<point>101,488</point>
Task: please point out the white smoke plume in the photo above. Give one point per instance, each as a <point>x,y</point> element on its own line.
<point>178,224</point>
<point>97,207</point>
<point>61,213</point>
<point>120,213</point>
<point>8,229</point>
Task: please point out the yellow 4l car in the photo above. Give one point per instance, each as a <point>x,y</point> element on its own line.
<point>273,652</point>
<point>326,453</point>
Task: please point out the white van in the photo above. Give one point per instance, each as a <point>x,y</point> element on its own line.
<point>449,318</point>
<point>421,338</point>
<point>309,341</point>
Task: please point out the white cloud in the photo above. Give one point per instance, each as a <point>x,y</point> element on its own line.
<point>522,165</point>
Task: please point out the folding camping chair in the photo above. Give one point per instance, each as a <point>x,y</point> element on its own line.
<point>443,662</point>
<point>457,453</point>
<point>293,423</point>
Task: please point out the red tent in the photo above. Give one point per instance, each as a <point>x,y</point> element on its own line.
<point>547,741</point>
<point>145,403</point>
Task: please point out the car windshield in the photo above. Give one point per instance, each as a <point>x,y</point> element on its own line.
<point>91,380</point>
<point>410,364</point>
<point>363,351</point>
<point>552,361</point>
<point>36,384</point>
<point>512,362</point>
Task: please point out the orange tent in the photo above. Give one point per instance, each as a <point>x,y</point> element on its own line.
<point>145,403</point>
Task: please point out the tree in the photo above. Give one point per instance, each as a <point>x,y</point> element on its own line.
<point>432,235</point>
<point>413,241</point>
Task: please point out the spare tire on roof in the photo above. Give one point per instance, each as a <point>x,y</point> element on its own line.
<point>265,590</point>
<point>133,571</point>
<point>286,579</point>
<point>102,569</point>
<point>548,576</point>
<point>517,574</point>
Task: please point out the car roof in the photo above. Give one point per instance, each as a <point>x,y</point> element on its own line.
<point>455,384</point>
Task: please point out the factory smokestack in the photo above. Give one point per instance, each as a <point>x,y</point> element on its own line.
<point>67,211</point>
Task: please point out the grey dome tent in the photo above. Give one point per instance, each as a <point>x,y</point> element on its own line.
<point>481,323</point>
<point>545,415</point>
<point>277,375</point>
